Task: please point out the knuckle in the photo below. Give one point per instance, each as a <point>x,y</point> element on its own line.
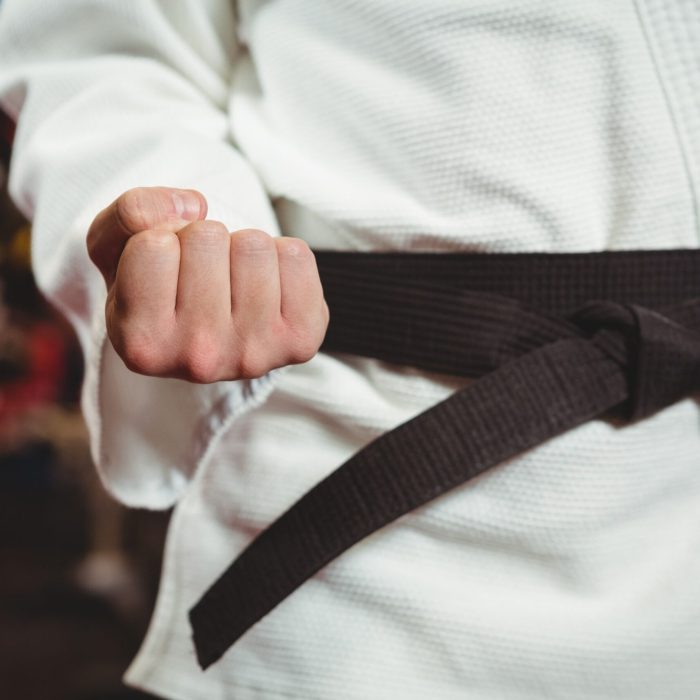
<point>251,240</point>
<point>302,347</point>
<point>200,359</point>
<point>209,227</point>
<point>293,247</point>
<point>204,233</point>
<point>132,209</point>
<point>152,241</point>
<point>251,363</point>
<point>198,371</point>
<point>140,354</point>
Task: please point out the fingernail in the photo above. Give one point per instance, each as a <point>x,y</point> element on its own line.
<point>187,204</point>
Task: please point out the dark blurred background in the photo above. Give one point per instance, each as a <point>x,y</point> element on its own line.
<point>78,573</point>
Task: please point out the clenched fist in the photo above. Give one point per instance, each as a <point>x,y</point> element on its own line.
<point>188,299</point>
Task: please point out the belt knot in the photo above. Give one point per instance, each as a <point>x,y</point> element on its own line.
<point>660,356</point>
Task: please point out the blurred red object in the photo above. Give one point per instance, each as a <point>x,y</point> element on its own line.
<point>42,381</point>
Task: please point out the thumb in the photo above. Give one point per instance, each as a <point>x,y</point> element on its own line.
<point>140,209</point>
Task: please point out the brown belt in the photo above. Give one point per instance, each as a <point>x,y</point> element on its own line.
<point>556,339</point>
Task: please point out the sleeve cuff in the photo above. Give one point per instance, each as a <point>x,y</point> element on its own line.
<point>149,435</point>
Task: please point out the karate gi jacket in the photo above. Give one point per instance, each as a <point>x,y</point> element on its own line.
<point>527,125</point>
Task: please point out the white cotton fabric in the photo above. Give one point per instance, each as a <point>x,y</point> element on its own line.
<point>522,125</point>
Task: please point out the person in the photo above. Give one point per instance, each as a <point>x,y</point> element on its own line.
<point>194,153</point>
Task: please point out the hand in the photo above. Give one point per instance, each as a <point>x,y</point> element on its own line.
<point>188,299</point>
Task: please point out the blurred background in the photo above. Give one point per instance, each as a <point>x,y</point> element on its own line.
<point>78,573</point>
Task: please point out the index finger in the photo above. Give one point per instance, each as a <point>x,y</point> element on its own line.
<point>139,209</point>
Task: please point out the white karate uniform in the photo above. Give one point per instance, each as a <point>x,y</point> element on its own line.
<point>570,571</point>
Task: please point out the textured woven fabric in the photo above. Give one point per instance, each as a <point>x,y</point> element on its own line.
<point>543,375</point>
<point>377,125</point>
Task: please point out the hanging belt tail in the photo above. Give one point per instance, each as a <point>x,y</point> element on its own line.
<point>555,340</point>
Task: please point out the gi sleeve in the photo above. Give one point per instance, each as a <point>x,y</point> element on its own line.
<point>107,96</point>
